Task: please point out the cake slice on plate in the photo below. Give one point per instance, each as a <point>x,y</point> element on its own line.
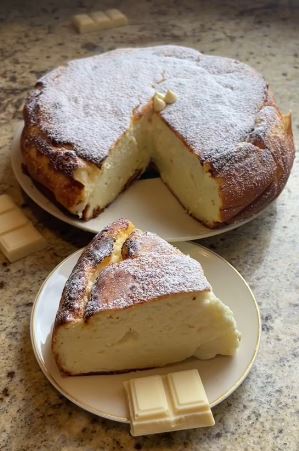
<point>135,301</point>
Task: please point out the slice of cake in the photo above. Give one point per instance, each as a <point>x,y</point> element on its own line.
<point>135,301</point>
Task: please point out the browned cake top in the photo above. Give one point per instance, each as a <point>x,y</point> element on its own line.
<point>88,104</point>
<point>145,268</point>
<point>153,269</point>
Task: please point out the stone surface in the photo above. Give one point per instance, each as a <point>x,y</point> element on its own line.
<point>263,413</point>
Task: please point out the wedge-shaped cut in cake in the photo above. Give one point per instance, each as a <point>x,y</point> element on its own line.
<point>135,301</point>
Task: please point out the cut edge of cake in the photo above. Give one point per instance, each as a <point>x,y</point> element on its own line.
<point>179,169</point>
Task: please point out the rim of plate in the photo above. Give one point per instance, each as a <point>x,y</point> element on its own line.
<point>103,414</point>
<point>45,204</point>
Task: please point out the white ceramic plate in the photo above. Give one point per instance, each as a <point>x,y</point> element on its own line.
<point>104,395</point>
<point>148,204</point>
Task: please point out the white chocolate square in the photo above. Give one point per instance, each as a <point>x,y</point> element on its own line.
<point>158,104</point>
<point>11,220</point>
<point>117,17</point>
<point>188,393</point>
<point>149,398</point>
<point>83,23</point>
<point>102,20</point>
<point>6,203</point>
<point>18,243</point>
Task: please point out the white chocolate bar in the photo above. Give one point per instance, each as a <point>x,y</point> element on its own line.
<point>18,237</point>
<point>102,20</point>
<point>117,17</point>
<point>21,242</point>
<point>83,23</point>
<point>145,405</point>
<point>167,403</point>
<point>6,203</point>
<point>11,220</point>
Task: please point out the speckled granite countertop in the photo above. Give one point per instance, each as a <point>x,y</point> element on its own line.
<point>263,413</point>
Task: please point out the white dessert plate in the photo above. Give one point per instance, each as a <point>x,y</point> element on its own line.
<point>103,395</point>
<point>148,204</point>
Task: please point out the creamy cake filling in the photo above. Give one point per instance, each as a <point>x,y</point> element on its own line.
<point>149,335</point>
<point>150,139</point>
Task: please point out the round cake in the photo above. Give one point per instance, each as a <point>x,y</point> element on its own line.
<point>223,147</point>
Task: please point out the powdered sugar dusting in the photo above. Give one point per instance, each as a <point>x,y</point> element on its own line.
<point>218,100</point>
<point>141,243</point>
<point>149,273</point>
<point>89,103</point>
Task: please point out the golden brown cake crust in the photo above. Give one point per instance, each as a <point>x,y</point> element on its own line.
<point>45,168</point>
<point>224,114</point>
<point>94,258</point>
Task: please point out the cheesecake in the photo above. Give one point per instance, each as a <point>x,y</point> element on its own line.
<point>221,145</point>
<point>134,301</point>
